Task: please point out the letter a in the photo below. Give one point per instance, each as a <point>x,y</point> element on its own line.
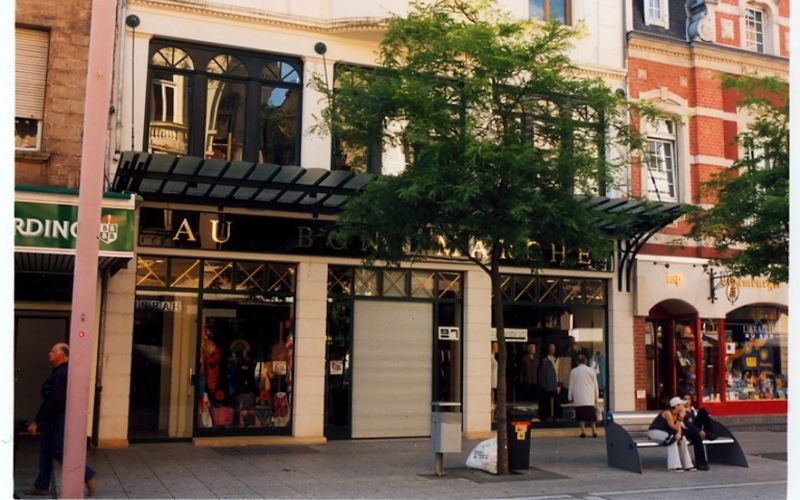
<point>186,229</point>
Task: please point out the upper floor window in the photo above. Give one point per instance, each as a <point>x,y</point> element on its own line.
<point>223,103</point>
<point>30,78</point>
<point>754,30</point>
<point>656,12</point>
<point>551,10</point>
<point>661,161</point>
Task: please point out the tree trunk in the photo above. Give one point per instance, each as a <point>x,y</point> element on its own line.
<point>502,356</point>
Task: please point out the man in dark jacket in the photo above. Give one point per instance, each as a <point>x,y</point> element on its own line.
<point>50,422</point>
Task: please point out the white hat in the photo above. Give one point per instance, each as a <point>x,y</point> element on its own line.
<point>676,401</point>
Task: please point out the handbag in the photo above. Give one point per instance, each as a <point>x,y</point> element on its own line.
<point>670,439</point>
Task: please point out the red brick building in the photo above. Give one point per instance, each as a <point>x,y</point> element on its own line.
<point>695,331</point>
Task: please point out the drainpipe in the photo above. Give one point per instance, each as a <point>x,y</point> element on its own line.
<point>98,375</point>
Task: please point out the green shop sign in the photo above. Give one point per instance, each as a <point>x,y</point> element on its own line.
<point>45,225</point>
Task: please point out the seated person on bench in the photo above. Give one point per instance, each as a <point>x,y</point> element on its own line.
<point>666,429</point>
<point>697,426</point>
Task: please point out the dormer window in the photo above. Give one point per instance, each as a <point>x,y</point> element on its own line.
<point>656,13</point>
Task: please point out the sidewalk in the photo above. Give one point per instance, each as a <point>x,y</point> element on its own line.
<point>562,467</point>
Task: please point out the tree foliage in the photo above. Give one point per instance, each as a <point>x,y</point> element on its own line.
<point>749,224</point>
<point>504,144</point>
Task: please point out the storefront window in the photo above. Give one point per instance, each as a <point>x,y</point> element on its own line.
<point>711,373</point>
<point>568,313</point>
<point>756,353</point>
<point>233,334</point>
<point>245,365</point>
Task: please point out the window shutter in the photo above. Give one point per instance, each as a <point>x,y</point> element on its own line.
<point>31,72</point>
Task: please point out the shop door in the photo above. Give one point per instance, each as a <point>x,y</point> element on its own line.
<point>162,365</point>
<point>392,369</point>
<point>338,375</point>
<point>671,361</point>
<point>33,338</point>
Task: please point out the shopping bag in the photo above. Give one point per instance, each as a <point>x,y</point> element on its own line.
<point>484,456</point>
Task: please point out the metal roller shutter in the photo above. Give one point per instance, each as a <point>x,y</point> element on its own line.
<point>392,369</point>
<point>31,72</point>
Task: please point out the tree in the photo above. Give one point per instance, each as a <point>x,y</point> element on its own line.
<point>749,223</point>
<point>504,143</point>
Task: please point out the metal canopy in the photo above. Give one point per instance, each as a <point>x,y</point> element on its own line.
<point>190,179</point>
<point>643,219</point>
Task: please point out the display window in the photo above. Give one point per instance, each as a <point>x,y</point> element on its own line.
<point>756,353</point>
<point>229,325</point>
<point>552,317</point>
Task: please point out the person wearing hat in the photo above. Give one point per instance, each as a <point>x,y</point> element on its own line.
<point>666,429</point>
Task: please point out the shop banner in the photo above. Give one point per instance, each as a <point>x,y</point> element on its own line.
<point>55,226</point>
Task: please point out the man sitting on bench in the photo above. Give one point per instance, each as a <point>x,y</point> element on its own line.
<point>666,429</point>
<point>697,426</point>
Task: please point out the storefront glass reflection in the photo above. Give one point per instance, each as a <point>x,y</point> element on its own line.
<point>756,353</point>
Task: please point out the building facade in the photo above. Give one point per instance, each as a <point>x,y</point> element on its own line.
<point>697,330</point>
<point>228,319</point>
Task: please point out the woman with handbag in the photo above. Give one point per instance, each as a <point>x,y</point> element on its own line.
<point>666,429</point>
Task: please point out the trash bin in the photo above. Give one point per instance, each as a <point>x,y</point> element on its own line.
<point>446,431</point>
<point>519,438</point>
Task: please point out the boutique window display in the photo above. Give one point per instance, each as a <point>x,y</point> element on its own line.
<point>231,326</point>
<point>245,374</point>
<point>756,353</point>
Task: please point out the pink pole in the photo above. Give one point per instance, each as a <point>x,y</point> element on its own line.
<point>84,290</point>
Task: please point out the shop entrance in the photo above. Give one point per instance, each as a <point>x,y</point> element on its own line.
<point>34,335</point>
<point>670,352</point>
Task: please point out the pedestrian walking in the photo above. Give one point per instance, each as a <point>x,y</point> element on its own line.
<point>584,393</point>
<point>49,422</point>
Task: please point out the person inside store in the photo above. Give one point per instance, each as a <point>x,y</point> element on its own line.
<point>549,406</point>
<point>584,393</point>
<point>49,422</point>
<point>666,429</point>
<point>529,374</point>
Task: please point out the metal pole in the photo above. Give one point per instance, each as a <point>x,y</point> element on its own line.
<point>84,290</point>
<point>439,465</point>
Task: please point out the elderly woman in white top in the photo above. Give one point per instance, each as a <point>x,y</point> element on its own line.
<point>583,391</point>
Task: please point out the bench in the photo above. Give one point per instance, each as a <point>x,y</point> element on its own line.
<point>626,434</point>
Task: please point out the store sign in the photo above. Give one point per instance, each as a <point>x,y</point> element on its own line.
<point>46,225</point>
<point>249,233</point>
<point>448,333</point>
<point>512,334</point>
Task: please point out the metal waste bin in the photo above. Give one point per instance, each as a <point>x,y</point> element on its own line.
<point>519,438</point>
<point>445,431</point>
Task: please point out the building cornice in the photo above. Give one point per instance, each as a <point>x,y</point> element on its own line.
<point>263,16</point>
<point>706,55</point>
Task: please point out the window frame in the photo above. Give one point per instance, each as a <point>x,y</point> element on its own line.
<point>661,134</point>
<point>198,78</point>
<point>37,53</point>
<point>546,11</point>
<point>662,19</point>
<point>751,28</point>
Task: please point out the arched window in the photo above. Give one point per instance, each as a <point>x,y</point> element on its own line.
<point>223,103</point>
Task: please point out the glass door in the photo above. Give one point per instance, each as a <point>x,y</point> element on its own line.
<point>164,333</point>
